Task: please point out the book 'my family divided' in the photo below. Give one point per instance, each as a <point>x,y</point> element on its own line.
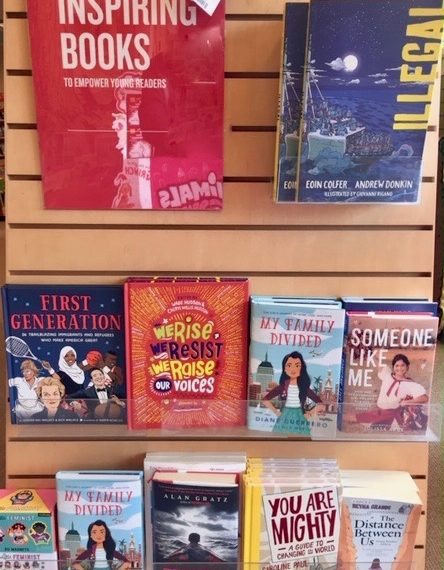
<point>65,348</point>
<point>129,103</point>
<point>295,365</point>
<point>100,519</point>
<point>369,75</point>
<point>187,351</point>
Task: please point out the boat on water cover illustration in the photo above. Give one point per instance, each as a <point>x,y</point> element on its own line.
<point>369,74</point>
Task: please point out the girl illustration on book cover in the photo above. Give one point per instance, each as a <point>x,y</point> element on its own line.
<point>100,553</point>
<point>399,398</point>
<point>293,390</point>
<point>70,373</point>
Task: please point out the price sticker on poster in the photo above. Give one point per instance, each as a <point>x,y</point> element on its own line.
<point>208,5</point>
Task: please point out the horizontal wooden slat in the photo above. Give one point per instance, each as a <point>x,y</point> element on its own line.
<point>212,250</point>
<point>14,5</point>
<point>25,457</point>
<point>22,109</point>
<point>231,6</point>
<point>246,154</point>
<point>17,54</point>
<point>256,6</point>
<point>244,204</point>
<point>49,482</point>
<point>372,285</point>
<point>247,101</point>
<point>263,38</point>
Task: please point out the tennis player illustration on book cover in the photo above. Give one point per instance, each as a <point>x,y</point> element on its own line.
<point>65,353</point>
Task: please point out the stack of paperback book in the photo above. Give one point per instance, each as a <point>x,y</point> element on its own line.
<point>27,529</point>
<point>100,520</point>
<point>193,509</point>
<point>291,513</point>
<point>295,365</point>
<point>388,363</point>
<point>379,520</point>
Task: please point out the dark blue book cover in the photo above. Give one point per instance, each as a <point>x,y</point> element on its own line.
<point>371,67</point>
<point>195,521</point>
<point>290,101</point>
<point>392,305</point>
<point>65,353</point>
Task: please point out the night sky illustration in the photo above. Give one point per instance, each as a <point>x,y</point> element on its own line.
<point>374,31</point>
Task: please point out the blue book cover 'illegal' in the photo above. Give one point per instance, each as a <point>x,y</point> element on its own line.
<point>294,367</point>
<point>65,353</point>
<point>369,77</point>
<point>290,101</point>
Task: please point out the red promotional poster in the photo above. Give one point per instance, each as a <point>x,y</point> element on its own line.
<point>129,98</point>
<point>187,359</point>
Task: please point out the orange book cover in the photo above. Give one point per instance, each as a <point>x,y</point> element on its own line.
<point>187,351</point>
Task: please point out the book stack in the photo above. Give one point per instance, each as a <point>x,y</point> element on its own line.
<point>379,520</point>
<point>353,118</point>
<point>193,509</point>
<point>100,519</point>
<point>187,351</point>
<point>388,361</point>
<point>295,365</point>
<point>291,512</point>
<point>27,529</point>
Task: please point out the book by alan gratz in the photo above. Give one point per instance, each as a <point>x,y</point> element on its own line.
<point>187,351</point>
<point>129,99</point>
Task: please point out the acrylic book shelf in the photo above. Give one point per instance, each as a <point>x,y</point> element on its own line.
<point>43,564</point>
<point>322,428</point>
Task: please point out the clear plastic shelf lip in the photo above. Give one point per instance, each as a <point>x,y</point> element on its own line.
<point>32,561</point>
<point>313,565</point>
<point>236,419</point>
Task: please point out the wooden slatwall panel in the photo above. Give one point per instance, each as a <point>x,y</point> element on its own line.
<point>284,249</point>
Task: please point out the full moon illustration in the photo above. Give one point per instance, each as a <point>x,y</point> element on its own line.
<point>350,62</point>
